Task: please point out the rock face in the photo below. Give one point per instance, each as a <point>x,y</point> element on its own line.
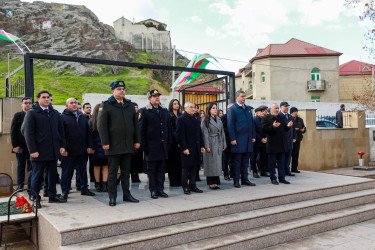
<point>74,31</point>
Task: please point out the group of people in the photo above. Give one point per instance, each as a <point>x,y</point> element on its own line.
<point>121,140</point>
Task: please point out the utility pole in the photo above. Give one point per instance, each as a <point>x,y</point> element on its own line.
<point>174,64</point>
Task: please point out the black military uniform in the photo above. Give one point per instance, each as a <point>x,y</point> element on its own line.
<point>118,128</point>
<point>156,140</point>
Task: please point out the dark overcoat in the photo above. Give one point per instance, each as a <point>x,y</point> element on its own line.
<point>44,133</point>
<point>99,154</point>
<point>224,120</point>
<point>276,137</point>
<point>78,135</point>
<point>291,133</point>
<point>189,136</point>
<point>259,133</point>
<point>118,126</point>
<point>156,132</point>
<point>17,138</point>
<point>241,128</point>
<point>298,123</point>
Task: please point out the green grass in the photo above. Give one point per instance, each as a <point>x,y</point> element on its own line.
<point>63,84</point>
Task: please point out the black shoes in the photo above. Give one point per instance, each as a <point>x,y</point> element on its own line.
<point>87,192</point>
<point>247,183</point>
<point>296,171</point>
<point>290,174</point>
<point>196,190</point>
<point>227,178</point>
<point>274,182</point>
<point>45,194</point>
<point>20,187</point>
<point>154,195</point>
<point>265,174</point>
<point>284,181</point>
<point>98,187</point>
<point>38,205</point>
<point>56,199</point>
<point>162,194</point>
<point>256,175</point>
<point>105,187</point>
<point>64,196</point>
<point>130,198</point>
<point>236,184</point>
<point>112,202</point>
<point>187,191</point>
<point>78,188</point>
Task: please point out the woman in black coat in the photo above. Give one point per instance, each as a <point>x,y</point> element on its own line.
<point>174,155</point>
<point>136,165</point>
<point>99,160</point>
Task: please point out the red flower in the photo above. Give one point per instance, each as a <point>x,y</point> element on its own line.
<point>361,154</point>
<point>22,203</point>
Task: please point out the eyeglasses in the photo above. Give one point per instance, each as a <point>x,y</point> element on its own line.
<point>27,103</point>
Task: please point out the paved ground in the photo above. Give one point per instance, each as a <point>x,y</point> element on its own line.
<point>351,172</point>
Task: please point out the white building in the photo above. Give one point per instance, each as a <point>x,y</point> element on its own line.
<point>148,35</point>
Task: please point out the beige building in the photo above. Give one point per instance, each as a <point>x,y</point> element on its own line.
<point>355,80</point>
<point>148,35</point>
<point>295,71</point>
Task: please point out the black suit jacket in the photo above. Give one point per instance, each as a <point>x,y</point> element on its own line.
<point>276,137</point>
<point>17,138</point>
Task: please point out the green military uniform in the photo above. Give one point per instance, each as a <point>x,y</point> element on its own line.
<point>118,128</point>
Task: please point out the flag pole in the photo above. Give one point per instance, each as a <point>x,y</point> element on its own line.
<point>13,41</point>
<point>25,46</point>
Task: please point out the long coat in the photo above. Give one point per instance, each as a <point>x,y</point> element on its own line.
<point>214,138</point>
<point>224,120</point>
<point>276,137</point>
<point>78,135</point>
<point>156,132</point>
<point>291,133</point>
<point>241,128</point>
<point>189,136</point>
<point>259,133</point>
<point>118,126</point>
<point>44,133</point>
<point>298,123</point>
<point>99,154</point>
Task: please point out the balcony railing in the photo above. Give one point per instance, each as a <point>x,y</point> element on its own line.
<point>249,92</point>
<point>316,85</point>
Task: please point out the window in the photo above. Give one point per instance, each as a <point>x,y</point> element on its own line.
<point>315,74</point>
<point>263,98</point>
<point>251,84</point>
<point>315,98</point>
<point>366,69</point>
<point>263,76</point>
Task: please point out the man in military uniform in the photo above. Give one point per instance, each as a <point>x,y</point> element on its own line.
<point>119,133</point>
<point>156,140</point>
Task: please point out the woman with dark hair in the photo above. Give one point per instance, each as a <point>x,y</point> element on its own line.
<point>136,165</point>
<point>214,141</point>
<point>220,113</point>
<point>201,115</point>
<point>99,160</point>
<point>174,155</point>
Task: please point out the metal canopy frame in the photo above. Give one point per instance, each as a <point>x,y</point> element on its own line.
<point>29,69</point>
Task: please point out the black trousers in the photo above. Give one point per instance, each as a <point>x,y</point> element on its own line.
<point>156,175</point>
<point>38,168</point>
<point>116,161</point>
<point>188,176</point>
<point>295,155</point>
<point>227,162</point>
<point>262,163</point>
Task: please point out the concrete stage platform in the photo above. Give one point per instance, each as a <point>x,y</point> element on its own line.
<point>255,217</point>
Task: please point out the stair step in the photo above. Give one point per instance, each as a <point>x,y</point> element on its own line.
<point>122,227</point>
<point>287,231</point>
<point>201,229</point>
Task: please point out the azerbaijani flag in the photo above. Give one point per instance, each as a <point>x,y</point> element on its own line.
<point>8,37</point>
<point>198,62</point>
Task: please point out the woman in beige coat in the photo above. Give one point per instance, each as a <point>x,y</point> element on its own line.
<point>214,141</point>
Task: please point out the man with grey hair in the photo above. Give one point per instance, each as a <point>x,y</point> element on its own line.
<point>189,136</point>
<point>276,127</point>
<point>79,142</point>
<point>242,136</point>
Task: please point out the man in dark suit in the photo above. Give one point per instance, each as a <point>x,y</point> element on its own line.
<point>189,136</point>
<point>339,119</point>
<point>156,139</point>
<point>19,144</point>
<point>259,145</point>
<point>290,136</point>
<point>79,143</point>
<point>119,132</point>
<point>242,136</point>
<point>45,140</point>
<point>275,127</point>
<point>227,154</point>
<point>300,129</point>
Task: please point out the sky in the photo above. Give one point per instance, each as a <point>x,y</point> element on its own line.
<point>235,29</point>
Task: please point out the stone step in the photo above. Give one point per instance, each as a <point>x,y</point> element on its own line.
<point>103,231</point>
<point>280,233</point>
<point>201,229</point>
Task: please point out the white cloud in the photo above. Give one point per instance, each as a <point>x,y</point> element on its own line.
<point>196,19</point>
<point>214,33</point>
